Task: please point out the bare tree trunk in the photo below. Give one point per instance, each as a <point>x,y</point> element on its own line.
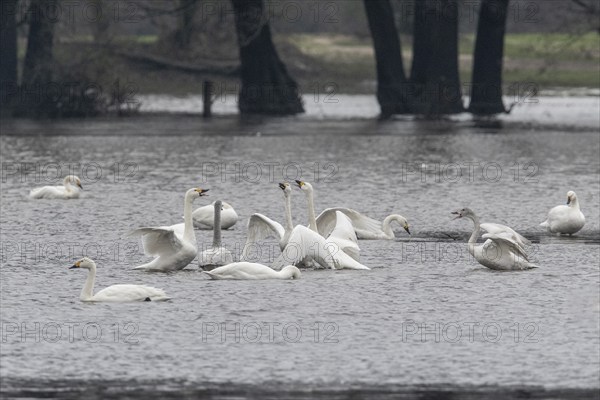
<point>8,52</point>
<point>486,91</point>
<point>391,80</point>
<point>183,36</point>
<point>267,88</point>
<point>434,73</point>
<point>101,27</point>
<point>39,59</point>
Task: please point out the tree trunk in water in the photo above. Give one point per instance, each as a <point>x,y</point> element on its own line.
<point>391,80</point>
<point>486,90</point>
<point>8,52</point>
<point>101,26</point>
<point>435,81</point>
<point>36,82</point>
<point>183,36</point>
<point>267,88</point>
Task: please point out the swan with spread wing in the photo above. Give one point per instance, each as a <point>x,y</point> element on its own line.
<point>173,247</point>
<point>504,249</point>
<point>364,227</point>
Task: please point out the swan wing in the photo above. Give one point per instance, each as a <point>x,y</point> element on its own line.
<point>305,244</point>
<point>504,240</point>
<point>344,236</point>
<point>363,225</point>
<point>261,227</point>
<point>123,293</point>
<point>159,241</point>
<point>499,228</point>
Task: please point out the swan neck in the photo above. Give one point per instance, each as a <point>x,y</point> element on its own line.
<point>474,235</point>
<point>217,227</point>
<point>386,226</point>
<point>88,288</point>
<point>312,220</point>
<point>188,231</point>
<point>289,224</point>
<point>575,204</point>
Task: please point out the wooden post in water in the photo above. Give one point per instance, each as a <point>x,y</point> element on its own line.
<point>207,93</point>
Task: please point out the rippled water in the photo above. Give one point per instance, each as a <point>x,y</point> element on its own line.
<point>427,315</point>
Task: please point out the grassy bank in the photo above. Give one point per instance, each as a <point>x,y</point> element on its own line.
<point>346,62</point>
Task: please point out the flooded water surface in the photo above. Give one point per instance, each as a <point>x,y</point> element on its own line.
<point>426,316</point>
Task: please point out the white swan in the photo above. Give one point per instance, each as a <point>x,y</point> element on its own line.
<point>365,227</point>
<point>503,249</point>
<point>261,227</point>
<point>173,246</point>
<point>300,246</point>
<point>115,293</point>
<point>247,270</point>
<point>308,248</point>
<point>343,236</point>
<point>69,190</point>
<point>217,255</point>
<point>567,218</point>
<point>204,216</point>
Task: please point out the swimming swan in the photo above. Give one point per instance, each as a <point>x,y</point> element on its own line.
<point>365,227</point>
<point>173,246</point>
<point>503,248</point>
<point>115,293</point>
<point>247,270</point>
<point>217,255</point>
<point>567,218</point>
<point>204,216</point>
<point>69,190</point>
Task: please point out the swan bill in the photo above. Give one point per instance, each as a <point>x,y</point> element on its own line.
<point>299,183</point>
<point>201,192</point>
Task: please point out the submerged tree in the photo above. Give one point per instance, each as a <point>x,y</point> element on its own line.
<point>435,80</point>
<point>486,90</point>
<point>8,52</point>
<point>391,80</point>
<point>267,87</point>
<point>39,58</point>
<point>185,29</point>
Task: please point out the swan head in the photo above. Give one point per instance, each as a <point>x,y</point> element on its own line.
<point>72,180</point>
<point>86,263</point>
<point>286,187</point>
<point>571,197</point>
<point>197,192</point>
<point>307,187</point>
<point>292,270</point>
<point>218,205</point>
<point>464,213</point>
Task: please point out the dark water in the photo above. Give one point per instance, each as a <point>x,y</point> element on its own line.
<point>427,322</point>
